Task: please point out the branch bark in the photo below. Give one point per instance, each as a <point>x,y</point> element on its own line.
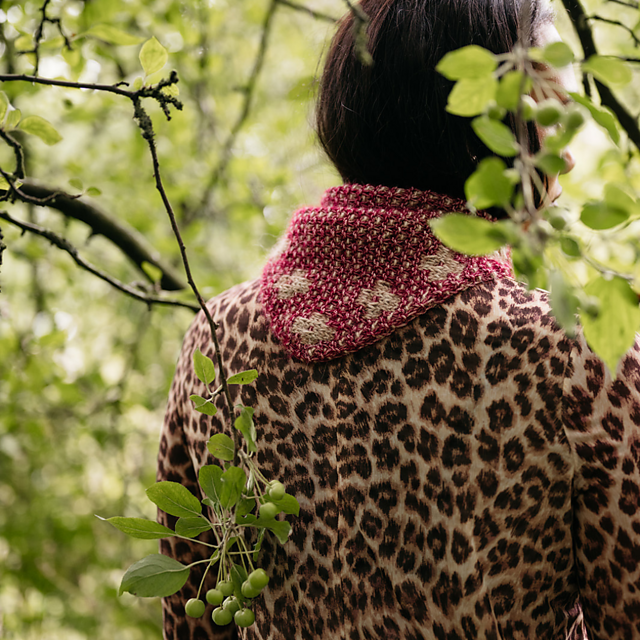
<point>580,23</point>
<point>127,239</point>
<point>65,245</point>
<point>312,12</point>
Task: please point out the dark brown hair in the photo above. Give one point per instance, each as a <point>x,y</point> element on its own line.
<point>386,123</point>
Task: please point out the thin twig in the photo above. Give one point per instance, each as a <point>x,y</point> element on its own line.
<point>617,23</point>
<point>146,128</point>
<point>629,5</point>
<point>40,32</point>
<point>312,12</point>
<point>17,151</point>
<point>128,240</point>
<point>65,245</point>
<point>154,91</point>
<point>246,106</point>
<point>581,25</point>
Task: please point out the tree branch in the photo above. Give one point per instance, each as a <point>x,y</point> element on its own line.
<point>154,91</point>
<point>629,5</point>
<point>617,23</point>
<point>146,128</point>
<point>246,106</point>
<point>581,24</point>
<point>39,33</point>
<point>65,245</point>
<point>312,12</point>
<point>126,238</point>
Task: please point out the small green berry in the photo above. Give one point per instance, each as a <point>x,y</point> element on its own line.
<point>258,579</point>
<point>194,608</point>
<point>244,618</point>
<point>559,220</point>
<point>496,112</point>
<point>549,112</point>
<point>225,587</point>
<point>248,591</point>
<point>232,604</point>
<point>574,117</point>
<point>221,616</point>
<point>268,510</point>
<point>215,597</point>
<point>528,108</point>
<point>276,490</point>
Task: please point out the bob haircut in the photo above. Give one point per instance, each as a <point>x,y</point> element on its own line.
<point>386,124</point>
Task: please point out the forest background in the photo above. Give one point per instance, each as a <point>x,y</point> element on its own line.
<point>86,368</point>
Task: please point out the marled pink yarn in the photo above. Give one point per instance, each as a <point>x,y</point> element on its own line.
<point>361,265</point>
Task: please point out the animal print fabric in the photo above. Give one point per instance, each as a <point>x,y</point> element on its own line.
<point>474,475</point>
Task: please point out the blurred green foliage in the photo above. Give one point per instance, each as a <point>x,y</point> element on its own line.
<point>86,370</point>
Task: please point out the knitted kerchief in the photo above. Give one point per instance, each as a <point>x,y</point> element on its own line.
<point>361,265</point>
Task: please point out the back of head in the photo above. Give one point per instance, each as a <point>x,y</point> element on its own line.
<point>386,123</point>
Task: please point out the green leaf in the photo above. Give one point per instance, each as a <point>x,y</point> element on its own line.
<point>138,83</point>
<point>564,303</point>
<point>558,54</point>
<point>139,527</point>
<point>245,506</point>
<point>153,56</point>
<point>603,116</point>
<point>154,576</point>
<point>570,247</point>
<point>303,89</point>
<point>94,191</point>
<point>490,184</point>
<point>171,90</point>
<point>13,118</point>
<point>496,135</point>
<point>203,405</point>
<point>4,185</point>
<point>288,504</point>
<point>281,528</point>
<point>609,70</point>
<point>238,575</point>
<point>468,62</point>
<point>112,35</point>
<point>4,105</point>
<point>551,163</point>
<point>612,333</point>
<point>204,367</point>
<point>174,499</point>
<point>510,89</point>
<point>192,526</point>
<point>210,479</point>
<point>154,273</point>
<point>233,481</point>
<point>258,545</point>
<point>244,377</point>
<point>616,197</point>
<point>244,424</point>
<point>470,96</point>
<point>601,215</point>
<point>37,126</point>
<point>221,446</point>
<point>76,183</point>
<point>467,233</point>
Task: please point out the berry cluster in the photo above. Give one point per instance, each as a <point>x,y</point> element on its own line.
<point>228,606</point>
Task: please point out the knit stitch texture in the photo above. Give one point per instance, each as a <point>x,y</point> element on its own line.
<point>364,263</point>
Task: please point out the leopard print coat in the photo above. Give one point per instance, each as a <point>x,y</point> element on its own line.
<point>474,475</point>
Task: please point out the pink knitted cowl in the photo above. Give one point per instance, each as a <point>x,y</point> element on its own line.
<point>362,264</point>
